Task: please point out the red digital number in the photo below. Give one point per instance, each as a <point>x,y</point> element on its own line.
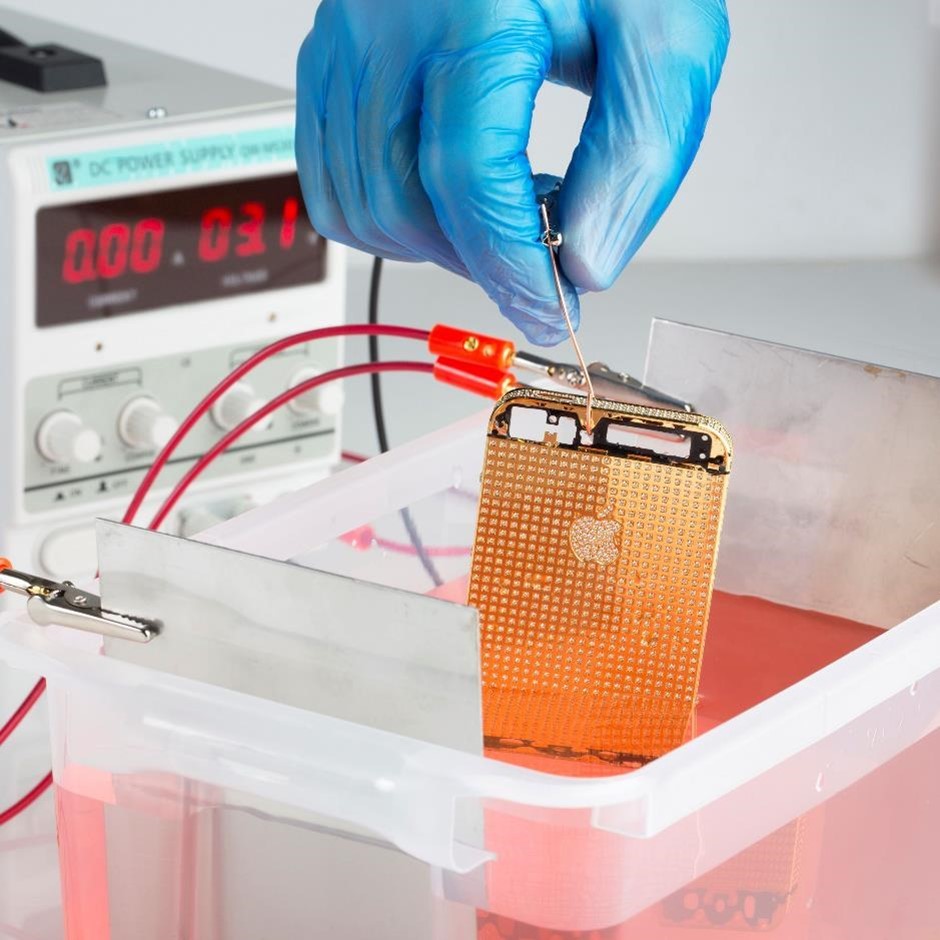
<point>289,223</point>
<point>79,263</point>
<point>147,246</point>
<point>251,231</point>
<point>215,235</point>
<point>113,245</point>
<point>90,255</point>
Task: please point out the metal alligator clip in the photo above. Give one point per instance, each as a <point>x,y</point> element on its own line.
<point>63,604</point>
<point>609,384</point>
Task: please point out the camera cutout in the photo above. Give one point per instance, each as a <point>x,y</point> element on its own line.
<point>555,428</point>
<point>661,442</point>
<point>537,426</point>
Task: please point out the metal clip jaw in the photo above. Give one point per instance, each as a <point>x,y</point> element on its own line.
<point>607,383</point>
<point>620,383</point>
<point>63,604</point>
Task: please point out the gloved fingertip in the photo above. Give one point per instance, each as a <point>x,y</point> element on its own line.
<point>542,334</point>
<point>546,328</point>
<point>590,267</point>
<point>450,263</point>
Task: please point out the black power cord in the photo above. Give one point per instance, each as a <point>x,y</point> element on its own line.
<point>8,39</point>
<point>378,408</point>
<point>381,430</point>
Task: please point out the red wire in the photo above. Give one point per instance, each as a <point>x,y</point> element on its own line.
<point>203,408</point>
<point>24,804</point>
<point>15,721</point>
<point>439,551</point>
<point>403,548</point>
<point>25,707</point>
<point>220,446</point>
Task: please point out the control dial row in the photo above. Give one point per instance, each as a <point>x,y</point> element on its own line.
<point>241,401</point>
<point>64,438</point>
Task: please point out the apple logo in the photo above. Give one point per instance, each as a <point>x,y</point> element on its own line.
<point>595,539</point>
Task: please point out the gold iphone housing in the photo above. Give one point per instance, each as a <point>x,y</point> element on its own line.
<point>593,567</point>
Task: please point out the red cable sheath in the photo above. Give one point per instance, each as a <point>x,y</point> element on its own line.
<point>435,551</point>
<point>16,719</point>
<point>220,446</point>
<point>203,408</point>
<point>24,709</point>
<point>403,548</point>
<point>24,804</point>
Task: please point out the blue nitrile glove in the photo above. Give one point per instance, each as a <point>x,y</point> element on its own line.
<point>414,117</point>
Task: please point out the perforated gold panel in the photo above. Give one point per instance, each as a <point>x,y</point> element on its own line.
<point>751,891</point>
<point>593,570</point>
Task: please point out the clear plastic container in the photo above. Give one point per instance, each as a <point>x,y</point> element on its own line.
<point>805,802</point>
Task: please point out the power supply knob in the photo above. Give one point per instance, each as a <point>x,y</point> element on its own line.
<point>327,400</point>
<point>64,438</point>
<point>144,425</point>
<point>237,404</point>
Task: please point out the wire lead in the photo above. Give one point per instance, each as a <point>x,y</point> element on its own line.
<point>552,240</point>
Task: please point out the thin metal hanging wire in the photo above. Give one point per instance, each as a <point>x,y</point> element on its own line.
<point>552,240</point>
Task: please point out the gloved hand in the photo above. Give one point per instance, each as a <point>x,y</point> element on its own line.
<point>414,117</point>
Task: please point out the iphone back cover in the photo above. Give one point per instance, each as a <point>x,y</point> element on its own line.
<point>593,567</point>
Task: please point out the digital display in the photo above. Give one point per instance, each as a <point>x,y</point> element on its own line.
<point>116,256</point>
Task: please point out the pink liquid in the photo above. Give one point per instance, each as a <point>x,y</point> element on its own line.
<point>83,865</point>
<point>754,649</point>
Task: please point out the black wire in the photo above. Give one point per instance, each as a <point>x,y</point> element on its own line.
<point>8,39</point>
<point>378,409</point>
<point>381,430</point>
